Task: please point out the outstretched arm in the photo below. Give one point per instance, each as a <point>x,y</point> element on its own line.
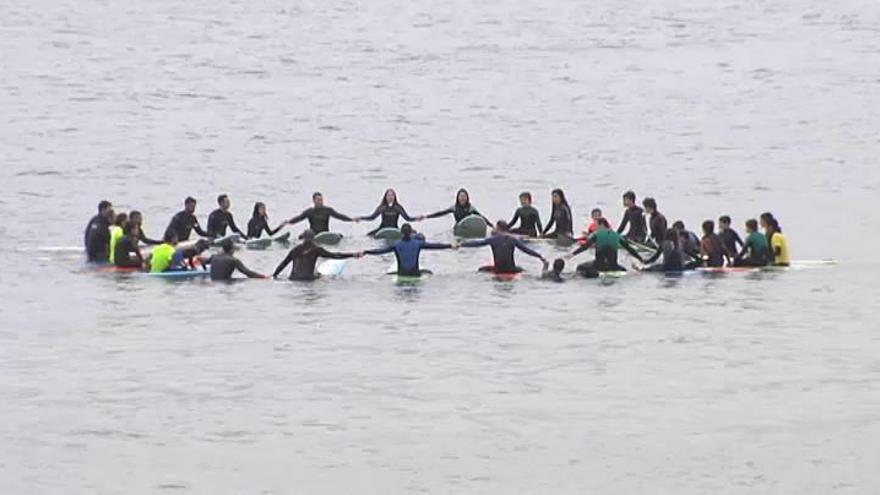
<point>476,243</point>
<point>199,230</point>
<point>380,251</point>
<point>583,247</point>
<point>515,218</point>
<point>235,227</point>
<point>406,216</point>
<point>323,253</point>
<point>529,251</point>
<point>436,246</point>
<point>248,273</point>
<point>372,216</point>
<point>287,260</point>
<point>339,216</point>
<point>475,212</point>
<point>299,218</point>
<point>631,250</point>
<point>623,222</point>
<point>550,224</point>
<point>441,213</point>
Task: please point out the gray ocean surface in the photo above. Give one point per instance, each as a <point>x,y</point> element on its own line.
<point>761,383</point>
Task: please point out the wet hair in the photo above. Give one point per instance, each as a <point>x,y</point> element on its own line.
<point>502,226</point>
<point>202,245</point>
<point>595,211</point>
<point>103,205</point>
<point>767,216</point>
<point>227,246</point>
<point>678,225</point>
<point>558,265</point>
<point>129,228</point>
<point>135,213</point>
<point>222,198</point>
<point>385,195</point>
<point>307,235</point>
<point>406,231</point>
<point>672,235</point>
<point>650,203</point>
<point>708,227</point>
<point>189,200</point>
<point>752,224</point>
<point>630,196</point>
<point>121,219</point>
<point>526,195</point>
<point>458,193</point>
<point>561,194</point>
<point>316,195</point>
<point>603,222</point>
<point>774,224</point>
<point>257,207</point>
<point>724,219</point>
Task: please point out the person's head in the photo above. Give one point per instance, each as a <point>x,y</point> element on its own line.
<point>650,205</point>
<point>708,227</point>
<point>501,227</point>
<point>170,237</point>
<point>558,265</point>
<point>672,235</point>
<point>406,231</point>
<point>751,225</point>
<point>773,226</point>
<point>766,218</point>
<point>462,197</point>
<point>307,235</point>
<point>390,197</point>
<point>629,199</point>
<point>603,223</point>
<point>228,246</point>
<point>136,218</point>
<point>318,199</point>
<point>724,222</point>
<point>525,198</point>
<point>596,214</point>
<point>558,198</point>
<point>259,210</point>
<point>223,202</point>
<point>678,225</point>
<point>103,206</point>
<point>201,245</point>
<point>130,229</point>
<point>120,219</point>
<point>189,204</point>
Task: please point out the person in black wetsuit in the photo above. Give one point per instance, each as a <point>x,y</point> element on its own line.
<point>185,221</point>
<point>137,218</point>
<point>555,275</point>
<point>461,209</point>
<point>259,223</point>
<point>634,217</point>
<point>128,251</point>
<point>731,241</point>
<point>528,216</point>
<point>97,234</point>
<point>657,221</point>
<point>766,219</point>
<point>675,258</point>
<point>712,247</point>
<point>561,217</point>
<point>407,251</point>
<point>390,210</point>
<point>188,257</point>
<point>688,241</point>
<point>305,256</point>
<point>319,215</point>
<point>224,265</point>
<point>607,243</point>
<point>221,219</point>
<point>503,246</point>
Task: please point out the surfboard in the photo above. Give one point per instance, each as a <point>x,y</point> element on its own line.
<point>262,243</point>
<point>328,238</point>
<point>388,234</point>
<point>285,237</point>
<point>231,237</point>
<point>183,274</point>
<point>332,268</point>
<point>471,227</point>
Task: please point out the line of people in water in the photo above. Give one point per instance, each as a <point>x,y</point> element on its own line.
<point>643,232</point>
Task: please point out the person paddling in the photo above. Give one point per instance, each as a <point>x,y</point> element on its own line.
<point>319,215</point>
<point>221,219</point>
<point>259,223</point>
<point>225,264</point>
<point>407,250</point>
<point>305,256</point>
<point>390,210</point>
<point>97,234</point>
<point>503,246</point>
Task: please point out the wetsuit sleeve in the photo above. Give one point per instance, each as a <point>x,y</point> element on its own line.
<point>149,242</point>
<point>515,218</point>
<point>406,216</point>
<point>529,251</point>
<point>435,246</point>
<point>623,222</point>
<point>538,221</point>
<point>378,251</point>
<point>270,231</point>
<point>654,257</point>
<point>339,216</point>
<point>631,250</point>
<point>287,260</point>
<point>299,218</point>
<point>441,213</point>
<point>550,224</point>
<point>738,240</point>
<point>583,247</point>
<point>199,230</point>
<point>323,253</point>
<point>475,212</point>
<point>476,243</point>
<point>243,269</point>
<point>372,216</point>
<point>235,227</point>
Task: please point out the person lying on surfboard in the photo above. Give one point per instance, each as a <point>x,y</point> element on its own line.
<point>606,242</point>
<point>221,219</point>
<point>259,223</point>
<point>319,216</point>
<point>390,210</point>
<point>528,216</point>
<point>560,217</point>
<point>460,210</point>
<point>305,256</point>
<point>503,246</point>
<point>189,257</point>
<point>224,264</point>
<point>407,251</point>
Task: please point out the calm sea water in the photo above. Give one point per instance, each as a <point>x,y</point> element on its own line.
<point>767,383</point>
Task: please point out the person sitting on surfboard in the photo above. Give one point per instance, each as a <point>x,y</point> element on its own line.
<point>656,220</point>
<point>185,221</point>
<point>221,219</point>
<point>595,215</point>
<point>555,275</point>
<point>137,218</point>
<point>305,256</point>
<point>390,210</point>
<point>778,243</point>
<point>607,242</point>
<point>729,237</point>
<point>160,258</point>
<point>676,256</point>
<point>503,246</point>
<point>319,216</point>
<point>407,251</point>
<point>460,210</point>
<point>97,234</point>
<point>560,217</point>
<point>711,246</point>
<point>634,217</point>
<point>224,265</point>
<point>259,223</point>
<point>127,252</point>
<point>528,216</point>
<point>755,251</point>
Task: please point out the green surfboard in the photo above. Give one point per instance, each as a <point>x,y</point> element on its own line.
<point>472,227</point>
<point>328,238</point>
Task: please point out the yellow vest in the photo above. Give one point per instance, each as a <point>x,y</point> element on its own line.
<point>115,234</point>
<point>161,258</point>
<point>779,245</point>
